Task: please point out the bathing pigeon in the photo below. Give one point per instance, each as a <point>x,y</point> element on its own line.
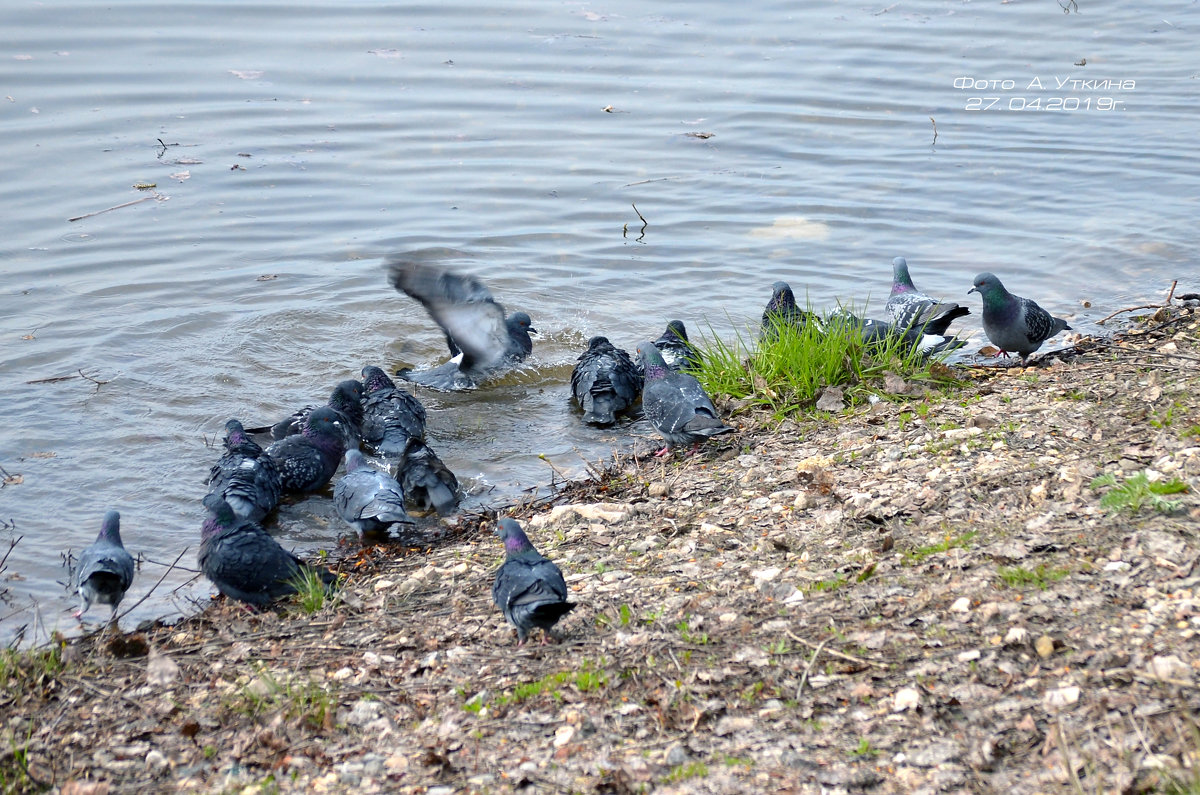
<point>879,332</point>
<point>675,348</point>
<point>909,307</point>
<point>307,460</point>
<point>391,416</point>
<point>244,561</point>
<point>245,476</point>
<point>369,500</point>
<point>481,339</point>
<point>1014,324</point>
<point>105,569</point>
<point>782,310</point>
<point>345,400</point>
<point>605,380</point>
<point>529,589</point>
<point>428,484</point>
<point>676,404</point>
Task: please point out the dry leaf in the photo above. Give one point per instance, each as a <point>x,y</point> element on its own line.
<point>161,670</point>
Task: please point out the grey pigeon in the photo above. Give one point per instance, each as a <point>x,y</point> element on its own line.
<point>482,340</point>
<point>391,416</point>
<point>244,561</point>
<point>1014,324</point>
<point>105,569</point>
<point>675,348</point>
<point>605,380</point>
<point>781,310</point>
<point>879,332</point>
<point>911,308</point>
<point>529,589</point>
<point>428,484</point>
<point>307,460</point>
<point>346,402</point>
<point>369,500</point>
<point>245,476</point>
<point>676,404</point>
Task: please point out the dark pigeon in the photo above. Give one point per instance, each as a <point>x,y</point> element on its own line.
<point>529,589</point>
<point>781,310</point>
<point>428,484</point>
<point>911,308</point>
<point>1014,324</point>
<point>346,402</point>
<point>369,500</point>
<point>105,569</point>
<point>391,416</point>
<point>605,380</point>
<point>879,332</point>
<point>307,460</point>
<point>675,348</point>
<point>244,561</point>
<point>245,476</point>
<point>482,340</point>
<point>676,404</point>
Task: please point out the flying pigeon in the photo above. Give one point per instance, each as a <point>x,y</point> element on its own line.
<point>245,476</point>
<point>105,569</point>
<point>675,348</point>
<point>909,307</point>
<point>782,310</point>
<point>879,332</point>
<point>605,380</point>
<point>529,589</point>
<point>428,484</point>
<point>307,460</point>
<point>482,341</point>
<point>244,561</point>
<point>369,500</point>
<point>1014,324</point>
<point>345,400</point>
<point>391,416</point>
<point>676,404</point>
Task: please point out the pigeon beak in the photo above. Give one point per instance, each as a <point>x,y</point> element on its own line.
<point>532,330</point>
<point>973,290</point>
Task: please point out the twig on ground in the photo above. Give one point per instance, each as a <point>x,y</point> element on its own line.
<point>1167,302</point>
<point>846,657</point>
<point>160,579</point>
<point>808,669</point>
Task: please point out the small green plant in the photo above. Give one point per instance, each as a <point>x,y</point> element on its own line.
<point>825,585</point>
<point>685,771</point>
<point>780,646</point>
<point>864,749</point>
<point>602,567</point>
<point>311,591</point>
<point>1138,491</point>
<point>690,636</point>
<point>1041,576</point>
<point>305,700</point>
<point>626,615</point>
<point>919,554</point>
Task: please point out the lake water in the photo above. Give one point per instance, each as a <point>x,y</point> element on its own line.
<point>293,146</point>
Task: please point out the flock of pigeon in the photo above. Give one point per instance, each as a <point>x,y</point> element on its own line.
<point>246,563</point>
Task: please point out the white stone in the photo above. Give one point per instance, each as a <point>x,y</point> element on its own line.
<point>906,698</point>
<point>961,605</point>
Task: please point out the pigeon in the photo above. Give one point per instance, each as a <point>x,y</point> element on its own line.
<point>675,348</point>
<point>307,460</point>
<point>245,476</point>
<point>782,310</point>
<point>427,483</point>
<point>676,404</point>
<point>391,416</point>
<point>1014,324</point>
<point>482,341</point>
<point>880,332</point>
<point>911,308</point>
<point>244,561</point>
<point>105,569</point>
<point>529,589</point>
<point>605,380</point>
<point>369,500</point>
<point>345,400</point>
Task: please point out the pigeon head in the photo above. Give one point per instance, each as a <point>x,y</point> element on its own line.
<point>598,343</point>
<point>990,288</point>
<point>346,395</point>
<point>354,460</point>
<point>322,424</point>
<point>901,281</point>
<point>110,528</point>
<point>782,297</point>
<point>653,363</point>
<point>375,379</point>
<point>514,538</point>
<point>235,434</point>
<point>675,328</point>
<point>520,320</point>
<point>220,516</point>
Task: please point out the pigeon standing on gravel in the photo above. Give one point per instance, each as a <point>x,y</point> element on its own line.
<point>482,340</point>
<point>346,402</point>
<point>529,589</point>
<point>245,476</point>
<point>105,569</point>
<point>675,348</point>
<point>307,460</point>
<point>367,499</point>
<point>676,404</point>
<point>427,482</point>
<point>605,380</point>
<point>911,308</point>
<point>391,416</point>
<point>244,561</point>
<point>1014,324</point>
<point>782,310</point>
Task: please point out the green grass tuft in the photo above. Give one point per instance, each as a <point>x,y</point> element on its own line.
<point>1041,576</point>
<point>311,591</point>
<point>1138,491</point>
